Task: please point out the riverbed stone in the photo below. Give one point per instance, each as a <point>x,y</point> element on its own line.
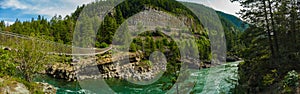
<point>14,88</point>
<point>47,88</point>
<point>1,80</point>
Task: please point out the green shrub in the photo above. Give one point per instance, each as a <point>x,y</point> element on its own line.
<point>146,63</point>
<point>268,79</point>
<point>103,45</point>
<point>133,47</point>
<point>291,79</point>
<point>32,86</point>
<point>7,66</point>
<point>242,63</point>
<point>287,90</point>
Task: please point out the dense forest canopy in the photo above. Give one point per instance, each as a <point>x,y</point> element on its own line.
<point>271,43</point>
<point>60,29</point>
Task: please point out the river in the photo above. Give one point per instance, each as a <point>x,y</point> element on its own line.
<point>215,80</point>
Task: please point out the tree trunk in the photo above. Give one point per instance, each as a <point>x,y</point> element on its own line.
<point>277,53</point>
<point>27,77</point>
<point>268,31</point>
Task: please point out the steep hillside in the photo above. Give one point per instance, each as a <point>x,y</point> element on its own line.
<point>237,22</point>
<point>61,29</point>
<point>232,26</point>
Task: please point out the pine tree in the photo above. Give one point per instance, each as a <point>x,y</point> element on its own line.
<point>119,16</point>
<point>2,25</point>
<point>259,14</point>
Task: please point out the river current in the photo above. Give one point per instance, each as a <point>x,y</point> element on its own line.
<point>215,80</point>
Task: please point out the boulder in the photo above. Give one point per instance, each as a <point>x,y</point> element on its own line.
<point>47,88</point>
<point>1,80</point>
<point>14,88</point>
<point>232,58</point>
<point>62,71</point>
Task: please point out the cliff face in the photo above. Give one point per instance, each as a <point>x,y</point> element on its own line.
<point>107,66</point>
<point>62,71</point>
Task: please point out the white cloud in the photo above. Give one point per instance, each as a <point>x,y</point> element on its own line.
<point>12,4</point>
<point>65,7</point>
<point>78,2</point>
<point>59,7</point>
<point>8,23</point>
<point>44,7</point>
<point>221,5</point>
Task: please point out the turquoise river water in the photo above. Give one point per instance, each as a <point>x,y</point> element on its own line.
<point>215,80</point>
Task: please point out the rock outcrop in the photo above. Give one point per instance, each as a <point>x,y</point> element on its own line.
<point>47,88</point>
<point>62,71</point>
<point>232,58</point>
<point>14,88</point>
<point>114,67</point>
<point>104,66</point>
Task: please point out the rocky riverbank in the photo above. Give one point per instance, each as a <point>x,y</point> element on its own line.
<point>14,87</point>
<point>47,88</point>
<point>106,66</point>
<point>62,71</point>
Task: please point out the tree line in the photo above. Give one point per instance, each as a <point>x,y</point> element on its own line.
<point>271,42</point>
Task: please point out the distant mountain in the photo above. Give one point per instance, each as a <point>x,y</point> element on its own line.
<point>227,20</point>
<point>238,23</point>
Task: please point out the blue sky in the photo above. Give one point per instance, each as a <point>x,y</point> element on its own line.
<point>24,10</point>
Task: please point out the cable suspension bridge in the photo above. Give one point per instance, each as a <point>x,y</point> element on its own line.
<point>9,40</point>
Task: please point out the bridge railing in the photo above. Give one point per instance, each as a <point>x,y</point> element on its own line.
<point>17,41</point>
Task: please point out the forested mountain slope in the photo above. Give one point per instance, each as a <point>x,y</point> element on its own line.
<point>60,29</point>
<point>271,52</point>
<point>235,21</point>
